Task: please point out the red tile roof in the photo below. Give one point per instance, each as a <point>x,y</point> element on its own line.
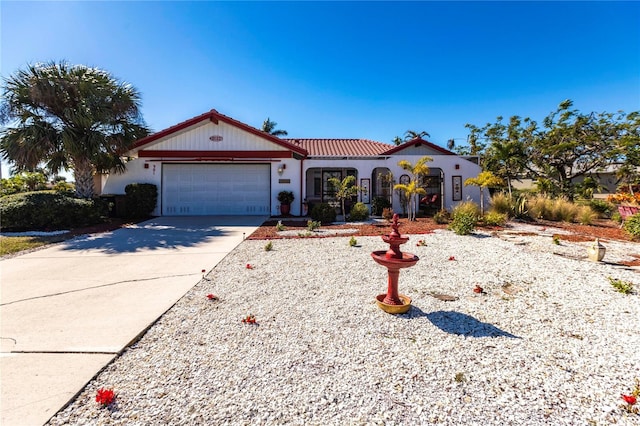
<point>341,147</point>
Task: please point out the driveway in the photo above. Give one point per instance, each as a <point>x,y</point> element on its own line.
<point>67,310</point>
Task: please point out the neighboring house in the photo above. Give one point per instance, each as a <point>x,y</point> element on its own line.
<point>213,165</point>
<point>606,177</point>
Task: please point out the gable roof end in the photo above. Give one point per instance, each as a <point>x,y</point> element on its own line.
<point>418,142</point>
<point>215,117</point>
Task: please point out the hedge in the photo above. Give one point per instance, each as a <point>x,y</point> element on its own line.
<point>49,210</point>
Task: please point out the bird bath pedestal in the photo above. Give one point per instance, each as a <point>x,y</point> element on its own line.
<point>394,260</point>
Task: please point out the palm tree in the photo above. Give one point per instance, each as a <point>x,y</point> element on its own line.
<point>412,134</point>
<point>451,143</point>
<point>69,117</point>
<point>397,140</point>
<point>484,180</point>
<point>345,189</point>
<point>269,126</point>
<point>412,189</point>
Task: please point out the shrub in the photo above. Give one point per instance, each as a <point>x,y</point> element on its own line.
<point>280,226</point>
<point>49,210</point>
<point>359,212</point>
<point>501,203</point>
<point>616,217</point>
<point>286,197</point>
<point>539,207</point>
<point>268,246</point>
<point>601,207</point>
<point>563,210</point>
<point>624,287</point>
<point>378,204</point>
<point>585,215</point>
<point>494,218</point>
<point>323,213</point>
<point>387,214</point>
<point>353,242</point>
<point>632,225</point>
<point>313,225</point>
<point>442,217</point>
<point>141,199</point>
<point>464,218</point>
<point>64,187</point>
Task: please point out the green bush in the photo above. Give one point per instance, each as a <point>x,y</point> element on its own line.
<point>616,217</point>
<point>632,225</point>
<point>378,204</point>
<point>323,213</point>
<point>602,207</point>
<point>141,199</point>
<point>494,218</point>
<point>49,210</point>
<point>442,217</point>
<point>64,187</point>
<point>359,212</point>
<point>464,218</point>
<point>313,225</point>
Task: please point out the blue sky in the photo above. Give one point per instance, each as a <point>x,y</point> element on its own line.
<point>343,69</point>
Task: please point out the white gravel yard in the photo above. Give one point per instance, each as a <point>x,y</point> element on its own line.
<point>557,345</point>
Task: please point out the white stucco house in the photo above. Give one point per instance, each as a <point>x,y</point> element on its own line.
<point>213,164</point>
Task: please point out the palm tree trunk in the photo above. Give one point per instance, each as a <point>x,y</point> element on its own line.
<point>83,175</point>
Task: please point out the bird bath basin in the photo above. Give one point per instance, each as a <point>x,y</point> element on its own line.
<point>394,260</point>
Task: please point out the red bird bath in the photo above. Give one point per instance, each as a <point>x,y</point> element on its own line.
<point>394,260</point>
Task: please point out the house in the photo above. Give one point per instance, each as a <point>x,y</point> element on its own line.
<point>213,164</point>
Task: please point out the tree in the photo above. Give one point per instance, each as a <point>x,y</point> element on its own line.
<point>484,180</point>
<point>345,189</point>
<point>412,189</point>
<point>69,117</point>
<point>506,154</point>
<point>629,151</point>
<point>572,144</point>
<point>412,134</point>
<point>269,126</point>
<point>397,141</point>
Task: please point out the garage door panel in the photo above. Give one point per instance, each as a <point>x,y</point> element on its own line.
<point>210,189</point>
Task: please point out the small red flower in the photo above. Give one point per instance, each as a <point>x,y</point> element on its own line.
<point>629,399</point>
<point>249,319</point>
<point>452,258</point>
<point>105,396</point>
<point>212,296</point>
<point>478,289</point>
<point>249,266</point>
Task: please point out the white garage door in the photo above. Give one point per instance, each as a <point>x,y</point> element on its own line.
<point>215,189</point>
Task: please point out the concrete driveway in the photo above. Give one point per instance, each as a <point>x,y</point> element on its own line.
<point>66,311</point>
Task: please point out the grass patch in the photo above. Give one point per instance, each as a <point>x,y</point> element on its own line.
<point>10,245</point>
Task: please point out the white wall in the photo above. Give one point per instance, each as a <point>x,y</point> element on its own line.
<point>447,163</point>
<point>278,183</point>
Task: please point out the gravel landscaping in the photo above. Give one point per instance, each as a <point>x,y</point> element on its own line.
<point>550,342</point>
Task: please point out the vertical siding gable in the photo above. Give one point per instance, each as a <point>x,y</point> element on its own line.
<point>198,139</point>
